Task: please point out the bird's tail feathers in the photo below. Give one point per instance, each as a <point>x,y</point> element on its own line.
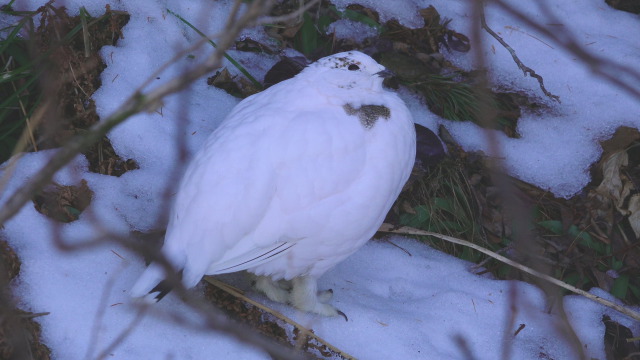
<point>148,284</point>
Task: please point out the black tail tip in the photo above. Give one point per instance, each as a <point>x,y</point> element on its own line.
<point>162,289</point>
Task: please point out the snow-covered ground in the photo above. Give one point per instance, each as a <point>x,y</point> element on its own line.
<point>399,306</point>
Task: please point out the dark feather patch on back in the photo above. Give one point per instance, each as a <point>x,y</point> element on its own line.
<point>368,114</point>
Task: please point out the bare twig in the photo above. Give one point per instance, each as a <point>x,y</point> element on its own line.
<point>211,318</point>
<point>519,214</point>
<point>100,314</point>
<point>34,315</point>
<point>417,232</point>
<point>463,347</point>
<point>525,69</point>
<point>136,103</point>
<point>75,79</point>
<point>123,335</point>
<point>605,68</point>
<point>399,247</point>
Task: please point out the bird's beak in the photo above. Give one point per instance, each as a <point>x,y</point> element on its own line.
<point>386,73</point>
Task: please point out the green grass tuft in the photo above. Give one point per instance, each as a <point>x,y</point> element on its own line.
<point>19,94</point>
<point>440,202</point>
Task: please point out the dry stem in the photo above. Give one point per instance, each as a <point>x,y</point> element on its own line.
<point>405,230</point>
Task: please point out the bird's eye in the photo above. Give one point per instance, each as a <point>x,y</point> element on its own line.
<point>353,67</point>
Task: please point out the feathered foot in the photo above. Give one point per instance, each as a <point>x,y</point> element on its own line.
<point>302,293</point>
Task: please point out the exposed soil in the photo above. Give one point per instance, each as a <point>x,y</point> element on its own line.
<point>70,76</point>
<point>19,332</point>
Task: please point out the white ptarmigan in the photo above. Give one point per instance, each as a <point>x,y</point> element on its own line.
<point>295,179</point>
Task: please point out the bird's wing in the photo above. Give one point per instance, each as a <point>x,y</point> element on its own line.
<point>233,207</point>
<point>223,196</point>
<point>251,258</point>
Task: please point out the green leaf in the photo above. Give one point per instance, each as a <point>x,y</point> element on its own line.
<point>418,220</point>
<point>571,279</point>
<point>620,287</point>
<point>451,226</point>
<point>555,226</point>
<point>634,290</point>
<point>73,211</point>
<point>586,240</point>
<point>469,255</point>
<point>503,272</point>
<point>583,237</point>
<point>323,23</point>
<point>18,52</point>
<point>13,35</point>
<point>307,36</point>
<point>616,264</point>
<point>443,204</point>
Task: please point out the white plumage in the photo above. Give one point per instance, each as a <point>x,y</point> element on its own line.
<point>295,179</point>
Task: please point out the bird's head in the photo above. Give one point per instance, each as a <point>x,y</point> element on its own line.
<point>349,69</point>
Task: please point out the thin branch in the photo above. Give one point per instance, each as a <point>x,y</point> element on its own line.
<point>136,103</point>
<point>520,216</point>
<point>100,314</point>
<point>122,336</point>
<point>212,318</point>
<point>33,315</point>
<point>609,70</point>
<point>417,232</point>
<point>525,69</point>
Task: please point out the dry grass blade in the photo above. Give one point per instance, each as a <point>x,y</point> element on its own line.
<point>417,232</point>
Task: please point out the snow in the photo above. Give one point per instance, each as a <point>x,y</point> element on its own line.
<point>350,29</point>
<point>557,147</point>
<point>591,109</point>
<point>399,306</point>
